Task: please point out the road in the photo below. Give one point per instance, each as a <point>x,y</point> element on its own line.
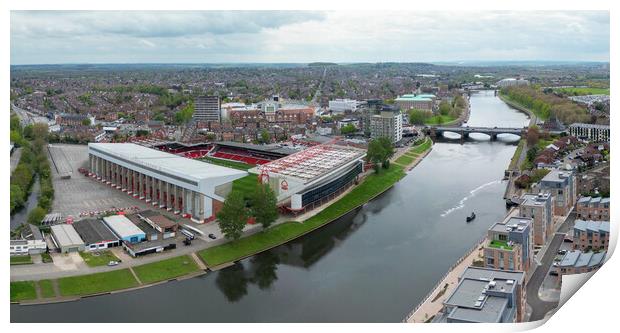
<point>540,307</point>
<point>317,94</point>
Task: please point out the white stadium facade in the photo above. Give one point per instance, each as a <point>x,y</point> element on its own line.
<point>184,186</point>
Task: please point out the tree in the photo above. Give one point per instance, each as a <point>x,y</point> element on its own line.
<point>86,122</point>
<point>264,205</point>
<point>444,108</point>
<point>380,150</point>
<point>348,129</point>
<point>532,136</point>
<point>418,117</point>
<point>233,216</point>
<point>265,137</point>
<point>36,215</point>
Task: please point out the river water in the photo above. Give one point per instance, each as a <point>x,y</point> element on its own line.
<point>373,265</point>
<point>21,216</point>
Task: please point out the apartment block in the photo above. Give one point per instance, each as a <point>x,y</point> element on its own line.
<point>562,186</point>
<point>538,207</point>
<point>509,245</point>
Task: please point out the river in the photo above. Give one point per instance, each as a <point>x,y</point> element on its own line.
<point>21,215</point>
<point>373,265</point>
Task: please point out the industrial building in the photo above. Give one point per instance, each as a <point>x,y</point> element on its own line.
<point>181,185</point>
<point>66,238</point>
<point>485,295</point>
<point>124,229</point>
<point>96,235</point>
<point>511,82</point>
<point>207,108</point>
<point>311,176</point>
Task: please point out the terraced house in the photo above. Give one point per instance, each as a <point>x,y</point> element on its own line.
<point>591,235</point>
<point>596,209</point>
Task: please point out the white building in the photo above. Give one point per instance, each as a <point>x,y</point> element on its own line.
<point>387,124</point>
<point>31,243</point>
<point>590,132</point>
<point>190,187</point>
<point>342,105</point>
<point>510,82</point>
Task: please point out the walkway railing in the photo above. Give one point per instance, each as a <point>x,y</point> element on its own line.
<point>459,261</point>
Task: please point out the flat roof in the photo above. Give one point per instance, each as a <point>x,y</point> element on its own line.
<point>531,199</point>
<point>314,162</point>
<point>164,162</point>
<point>514,223</point>
<point>66,235</point>
<point>557,176</point>
<point>414,97</point>
<point>122,226</point>
<point>94,231</point>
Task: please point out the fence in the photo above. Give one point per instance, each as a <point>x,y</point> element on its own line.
<point>430,293</point>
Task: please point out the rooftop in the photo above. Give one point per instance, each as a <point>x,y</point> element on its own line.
<point>162,162</point>
<point>595,226</point>
<point>94,231</point>
<point>414,97</point>
<point>314,162</point>
<point>582,259</point>
<point>122,226</point>
<point>65,235</point>
<point>531,199</point>
<point>557,176</point>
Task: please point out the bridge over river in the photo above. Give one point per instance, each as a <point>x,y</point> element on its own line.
<point>492,132</point>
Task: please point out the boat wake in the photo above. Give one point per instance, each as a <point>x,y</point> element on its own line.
<point>472,194</point>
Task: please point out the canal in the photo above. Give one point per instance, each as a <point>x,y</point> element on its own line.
<point>373,265</point>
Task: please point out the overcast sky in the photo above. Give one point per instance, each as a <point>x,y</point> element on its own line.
<point>279,36</point>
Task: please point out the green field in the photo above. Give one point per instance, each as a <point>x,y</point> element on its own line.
<point>438,120</point>
<point>166,269</point>
<point>583,91</point>
<point>21,260</point>
<point>235,250</point>
<point>226,163</point>
<point>46,257</point>
<point>100,258</point>
<point>515,158</point>
<point>96,283</point>
<point>22,290</point>
<point>47,290</point>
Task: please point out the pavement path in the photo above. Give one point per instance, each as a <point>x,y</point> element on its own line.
<point>17,153</point>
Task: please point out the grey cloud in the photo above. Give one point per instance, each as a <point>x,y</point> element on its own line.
<point>152,23</point>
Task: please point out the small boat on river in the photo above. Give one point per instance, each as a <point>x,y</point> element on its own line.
<point>471,217</point>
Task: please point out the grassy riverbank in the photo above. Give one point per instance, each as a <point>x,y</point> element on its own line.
<point>373,185</point>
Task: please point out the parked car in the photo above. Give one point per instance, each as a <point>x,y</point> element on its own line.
<point>568,240</point>
<point>187,241</point>
<point>113,263</point>
<point>562,252</point>
<point>553,273</point>
<point>212,236</point>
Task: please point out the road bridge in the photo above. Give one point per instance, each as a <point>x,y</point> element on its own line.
<point>464,132</point>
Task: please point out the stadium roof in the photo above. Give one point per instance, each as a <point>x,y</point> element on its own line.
<point>262,148</point>
<point>163,162</point>
<point>419,97</point>
<point>314,162</point>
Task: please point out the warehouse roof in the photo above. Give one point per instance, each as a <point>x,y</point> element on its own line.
<point>165,163</point>
<point>66,235</point>
<point>94,231</point>
<point>122,226</point>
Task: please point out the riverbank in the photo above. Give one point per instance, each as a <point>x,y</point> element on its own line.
<point>517,106</point>
<point>224,255</point>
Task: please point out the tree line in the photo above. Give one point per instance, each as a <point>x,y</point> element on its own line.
<point>546,104</point>
<point>33,162</point>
